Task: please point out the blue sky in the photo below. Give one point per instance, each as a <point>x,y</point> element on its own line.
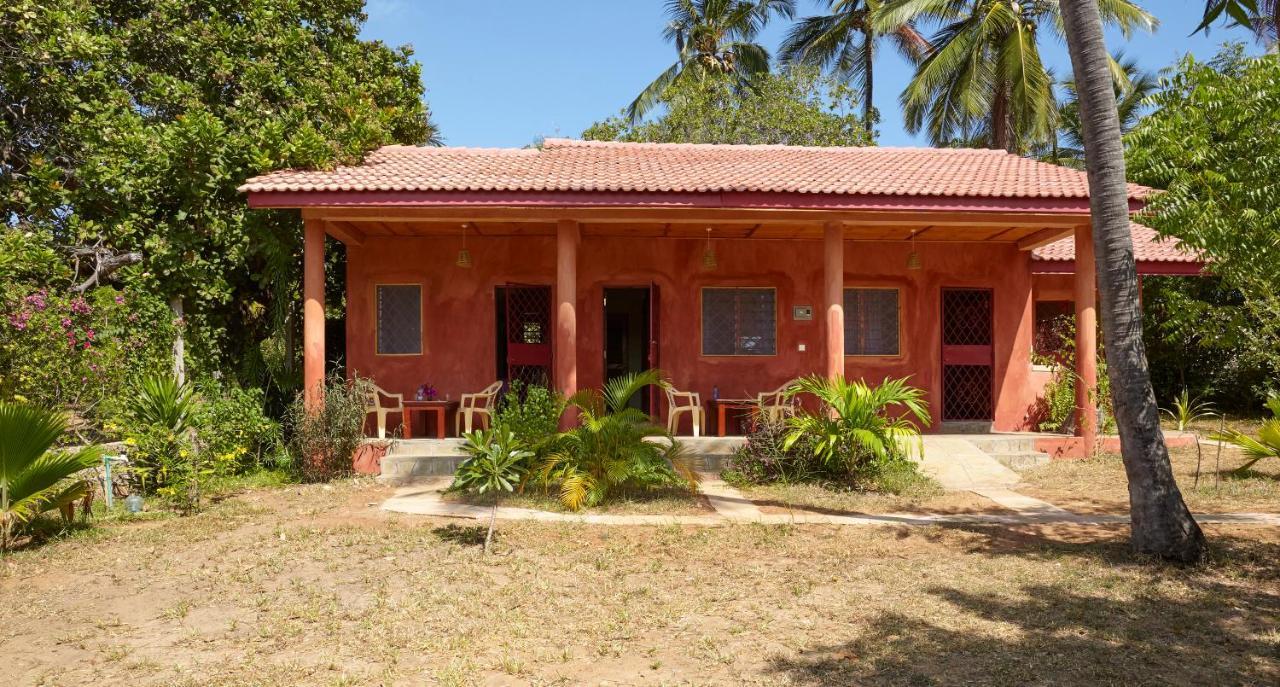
<point>508,72</point>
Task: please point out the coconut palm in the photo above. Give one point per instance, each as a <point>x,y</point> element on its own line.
<point>1267,445</point>
<point>1160,523</point>
<point>713,37</point>
<point>1262,16</point>
<point>1133,85</point>
<point>844,43</point>
<point>33,478</point>
<point>983,79</point>
<point>610,448</point>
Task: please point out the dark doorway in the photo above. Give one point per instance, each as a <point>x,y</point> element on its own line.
<point>523,318</point>
<point>627,336</point>
<point>967,354</point>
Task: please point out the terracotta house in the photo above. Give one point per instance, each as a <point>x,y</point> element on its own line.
<point>732,268</point>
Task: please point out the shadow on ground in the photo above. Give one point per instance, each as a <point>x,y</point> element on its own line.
<point>1211,625</point>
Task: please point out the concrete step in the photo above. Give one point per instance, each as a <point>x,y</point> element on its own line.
<point>965,427</point>
<point>1003,443</point>
<point>1022,460</point>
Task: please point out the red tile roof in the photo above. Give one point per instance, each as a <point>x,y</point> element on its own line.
<point>1147,247</point>
<point>570,165</point>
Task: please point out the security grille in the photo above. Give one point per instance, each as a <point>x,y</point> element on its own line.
<point>739,321</point>
<point>399,319</point>
<point>871,322</point>
<point>967,355</point>
<point>529,334</point>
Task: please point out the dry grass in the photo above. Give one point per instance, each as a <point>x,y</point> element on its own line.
<point>316,586</point>
<point>1099,484</point>
<point>786,497</point>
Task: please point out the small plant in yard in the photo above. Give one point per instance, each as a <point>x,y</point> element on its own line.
<point>324,440</point>
<point>496,462</point>
<point>1186,410</point>
<point>765,456</point>
<point>1266,445</point>
<point>531,412</point>
<point>859,428</point>
<point>33,478</point>
<point>161,414</point>
<point>1058,405</point>
<point>608,449</point>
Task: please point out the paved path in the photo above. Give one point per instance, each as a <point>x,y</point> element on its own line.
<point>424,498</point>
<point>960,466</point>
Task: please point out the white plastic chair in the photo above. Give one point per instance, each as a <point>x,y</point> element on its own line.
<point>373,404</point>
<point>680,402</point>
<point>478,405</point>
<point>774,404</point>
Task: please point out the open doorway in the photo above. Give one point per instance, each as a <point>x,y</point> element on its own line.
<point>627,336</point>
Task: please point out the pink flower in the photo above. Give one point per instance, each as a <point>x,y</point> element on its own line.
<point>89,334</point>
<point>119,300</point>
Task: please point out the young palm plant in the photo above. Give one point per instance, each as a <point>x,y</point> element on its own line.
<point>33,478</point>
<point>858,425</point>
<point>163,402</point>
<point>496,463</point>
<point>1267,445</point>
<point>608,449</point>
<point>1186,410</point>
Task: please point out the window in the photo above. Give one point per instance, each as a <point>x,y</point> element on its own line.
<point>399,319</point>
<point>739,322</point>
<point>1055,321</point>
<point>871,322</point>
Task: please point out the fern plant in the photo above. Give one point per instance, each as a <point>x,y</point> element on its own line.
<point>35,479</point>
<point>609,449</point>
<point>1266,445</point>
<point>858,426</point>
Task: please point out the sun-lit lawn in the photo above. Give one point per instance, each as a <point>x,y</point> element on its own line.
<point>926,497</point>
<point>1099,484</point>
<point>314,585</point>
<point>660,502</point>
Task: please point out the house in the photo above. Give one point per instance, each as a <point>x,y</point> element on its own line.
<point>733,268</point>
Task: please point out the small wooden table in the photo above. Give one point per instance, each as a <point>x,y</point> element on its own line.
<point>723,405</point>
<point>439,408</point>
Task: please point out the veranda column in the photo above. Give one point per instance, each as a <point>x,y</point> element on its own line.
<point>833,296</point>
<point>1086,340</point>
<point>566,341</point>
<point>313,313</point>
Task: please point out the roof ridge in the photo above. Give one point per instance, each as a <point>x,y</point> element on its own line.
<point>581,143</point>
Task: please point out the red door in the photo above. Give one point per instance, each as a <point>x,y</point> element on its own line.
<point>528,320</point>
<point>967,355</point>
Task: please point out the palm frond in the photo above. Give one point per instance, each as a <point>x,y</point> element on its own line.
<point>26,433</point>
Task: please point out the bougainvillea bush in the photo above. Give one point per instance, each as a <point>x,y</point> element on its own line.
<point>60,349</point>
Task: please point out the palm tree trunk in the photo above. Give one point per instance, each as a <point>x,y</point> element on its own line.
<point>1000,118</point>
<point>867,68</point>
<point>1161,525</point>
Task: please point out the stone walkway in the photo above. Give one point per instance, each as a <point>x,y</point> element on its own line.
<point>731,507</point>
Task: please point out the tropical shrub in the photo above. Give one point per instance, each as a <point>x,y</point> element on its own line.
<point>608,449</point>
<point>1266,445</point>
<point>1187,409</point>
<point>530,412</point>
<point>234,432</point>
<point>323,441</point>
<point>765,457</point>
<point>160,415</point>
<point>496,462</point>
<point>859,428</point>
<point>33,478</point>
<point>1058,404</point>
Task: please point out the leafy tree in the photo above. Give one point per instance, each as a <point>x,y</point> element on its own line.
<point>983,81</point>
<point>496,462</point>
<point>844,42</point>
<point>795,107</point>
<point>130,123</point>
<point>712,37</point>
<point>1160,522</point>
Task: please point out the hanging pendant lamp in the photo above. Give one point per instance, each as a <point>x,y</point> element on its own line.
<point>709,255</point>
<point>464,255</point>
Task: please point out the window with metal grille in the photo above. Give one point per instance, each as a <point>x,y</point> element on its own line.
<point>738,321</point>
<point>1055,321</point>
<point>399,319</point>
<point>871,322</point>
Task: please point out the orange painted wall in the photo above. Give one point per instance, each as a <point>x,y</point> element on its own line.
<point>458,350</point>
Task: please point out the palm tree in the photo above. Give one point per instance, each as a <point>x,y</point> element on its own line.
<point>983,79</point>
<point>713,37</point>
<point>1160,523</point>
<point>1132,84</point>
<point>844,42</point>
<point>858,425</point>
<point>1262,16</point>
<point>34,479</point>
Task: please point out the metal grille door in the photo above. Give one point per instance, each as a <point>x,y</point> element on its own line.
<point>967,355</point>
<point>529,334</point>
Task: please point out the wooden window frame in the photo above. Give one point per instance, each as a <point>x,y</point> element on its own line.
<point>702,341</point>
<point>873,356</point>
<point>422,322</point>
